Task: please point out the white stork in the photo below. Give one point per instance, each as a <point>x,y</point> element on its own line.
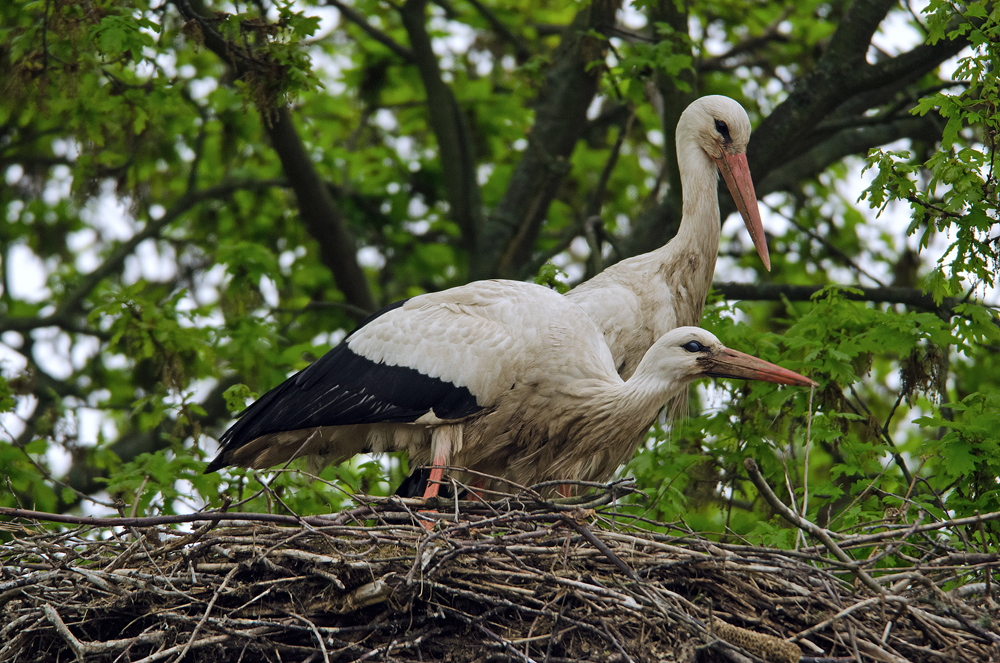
<point>502,377</point>
<point>638,300</point>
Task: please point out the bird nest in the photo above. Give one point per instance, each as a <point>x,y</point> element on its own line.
<point>508,580</point>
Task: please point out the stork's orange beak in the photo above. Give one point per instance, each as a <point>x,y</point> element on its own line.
<point>732,364</point>
<point>736,172</point>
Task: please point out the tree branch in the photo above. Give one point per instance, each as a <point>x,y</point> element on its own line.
<point>22,325</point>
<point>770,35</point>
<point>840,78</point>
<point>592,217</point>
<point>909,66</point>
<point>521,51</point>
<point>358,19</point>
<point>836,146</point>
<point>33,161</point>
<point>662,219</point>
<point>849,42</point>
<point>321,216</point>
<point>450,127</point>
<point>560,120</point>
<point>774,292</point>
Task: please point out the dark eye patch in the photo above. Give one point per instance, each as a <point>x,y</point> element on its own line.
<point>723,130</point>
<point>694,346</point>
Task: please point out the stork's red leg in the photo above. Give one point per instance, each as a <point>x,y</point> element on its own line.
<point>433,482</point>
<point>432,490</point>
<point>565,490</point>
<point>477,486</point>
<point>443,438</point>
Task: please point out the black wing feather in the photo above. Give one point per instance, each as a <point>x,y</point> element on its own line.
<point>343,388</point>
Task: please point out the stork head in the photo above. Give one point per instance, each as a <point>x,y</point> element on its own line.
<point>720,127</point>
<point>688,353</point>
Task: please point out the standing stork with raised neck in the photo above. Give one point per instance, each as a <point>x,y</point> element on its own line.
<point>638,300</point>
<point>501,377</point>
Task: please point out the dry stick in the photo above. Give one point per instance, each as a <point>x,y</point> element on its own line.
<point>305,526</point>
<point>804,524</point>
<point>319,638</point>
<point>860,540</point>
<point>14,643</point>
<point>878,652</point>
<point>600,545</point>
<point>208,610</point>
<point>799,535</point>
<point>555,630</point>
<point>864,493</point>
<point>614,640</point>
<point>989,571</point>
<point>81,648</point>
<point>138,494</point>
<point>145,521</point>
<point>840,615</point>
<point>167,653</point>
<point>505,644</point>
<point>805,473</point>
<point>569,504</point>
<point>896,457</point>
<point>894,545</point>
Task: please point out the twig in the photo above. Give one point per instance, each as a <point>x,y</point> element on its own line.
<point>319,638</point>
<point>505,644</point>
<point>600,545</point>
<point>82,648</point>
<point>358,19</point>
<point>897,458</point>
<point>208,611</point>
<point>820,533</point>
<point>875,600</point>
<point>204,642</point>
<point>521,50</point>
<point>805,471</point>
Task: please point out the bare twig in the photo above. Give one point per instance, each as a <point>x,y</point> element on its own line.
<point>83,649</point>
<point>820,533</point>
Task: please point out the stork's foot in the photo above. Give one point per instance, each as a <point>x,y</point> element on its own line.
<point>476,487</point>
<point>433,486</point>
<point>427,524</point>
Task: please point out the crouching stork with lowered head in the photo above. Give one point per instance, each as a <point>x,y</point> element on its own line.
<point>501,377</point>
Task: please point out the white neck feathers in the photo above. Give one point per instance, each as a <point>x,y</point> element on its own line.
<point>701,224</point>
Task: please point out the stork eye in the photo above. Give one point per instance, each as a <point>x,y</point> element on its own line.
<point>694,346</point>
<point>723,130</point>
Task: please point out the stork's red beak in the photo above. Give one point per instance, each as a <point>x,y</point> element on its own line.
<point>736,172</point>
<point>728,363</point>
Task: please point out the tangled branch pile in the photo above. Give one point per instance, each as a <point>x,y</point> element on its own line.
<point>505,581</point>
